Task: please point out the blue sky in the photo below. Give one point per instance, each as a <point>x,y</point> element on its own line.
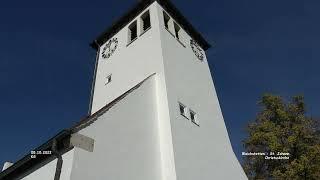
<point>46,64</point>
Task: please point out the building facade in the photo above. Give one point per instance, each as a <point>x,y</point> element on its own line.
<point>154,112</point>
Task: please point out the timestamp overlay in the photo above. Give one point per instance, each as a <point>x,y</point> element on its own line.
<point>34,154</point>
<point>269,155</point>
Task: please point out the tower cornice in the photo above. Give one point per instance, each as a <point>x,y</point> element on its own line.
<point>137,9</point>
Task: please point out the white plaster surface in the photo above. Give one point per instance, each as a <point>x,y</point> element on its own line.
<point>203,152</point>
<point>130,65</point>
<point>47,172</point>
<point>126,140</point>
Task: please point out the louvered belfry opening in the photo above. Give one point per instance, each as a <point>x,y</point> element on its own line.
<point>166,19</point>
<point>133,31</point>
<point>146,23</point>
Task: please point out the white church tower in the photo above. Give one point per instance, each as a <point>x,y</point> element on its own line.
<point>154,112</point>
<point>186,129</point>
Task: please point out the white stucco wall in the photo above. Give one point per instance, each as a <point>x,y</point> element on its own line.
<point>126,140</point>
<point>203,152</point>
<point>131,64</point>
<point>186,150</point>
<point>68,159</point>
<point>47,172</point>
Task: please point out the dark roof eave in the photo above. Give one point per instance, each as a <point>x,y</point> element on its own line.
<point>21,166</point>
<point>136,10</point>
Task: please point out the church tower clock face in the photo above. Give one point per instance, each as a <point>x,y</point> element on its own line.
<point>109,48</point>
<point>197,49</point>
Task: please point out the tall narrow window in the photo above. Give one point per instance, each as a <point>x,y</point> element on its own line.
<point>177,30</point>
<point>108,79</point>
<point>182,109</point>
<point>193,117</point>
<point>132,31</point>
<point>145,21</point>
<point>166,20</point>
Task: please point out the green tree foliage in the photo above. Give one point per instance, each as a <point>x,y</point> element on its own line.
<point>282,126</point>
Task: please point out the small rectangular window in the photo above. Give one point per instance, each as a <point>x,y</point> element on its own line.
<point>182,109</point>
<point>145,21</point>
<point>166,20</point>
<point>193,117</point>
<point>177,30</point>
<point>108,79</point>
<point>132,32</point>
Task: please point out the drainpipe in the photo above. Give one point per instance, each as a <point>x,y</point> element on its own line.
<point>57,154</point>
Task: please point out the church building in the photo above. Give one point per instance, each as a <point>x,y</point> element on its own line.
<point>154,112</point>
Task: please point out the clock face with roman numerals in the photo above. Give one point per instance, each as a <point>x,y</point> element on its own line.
<point>109,48</point>
<point>197,49</point>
